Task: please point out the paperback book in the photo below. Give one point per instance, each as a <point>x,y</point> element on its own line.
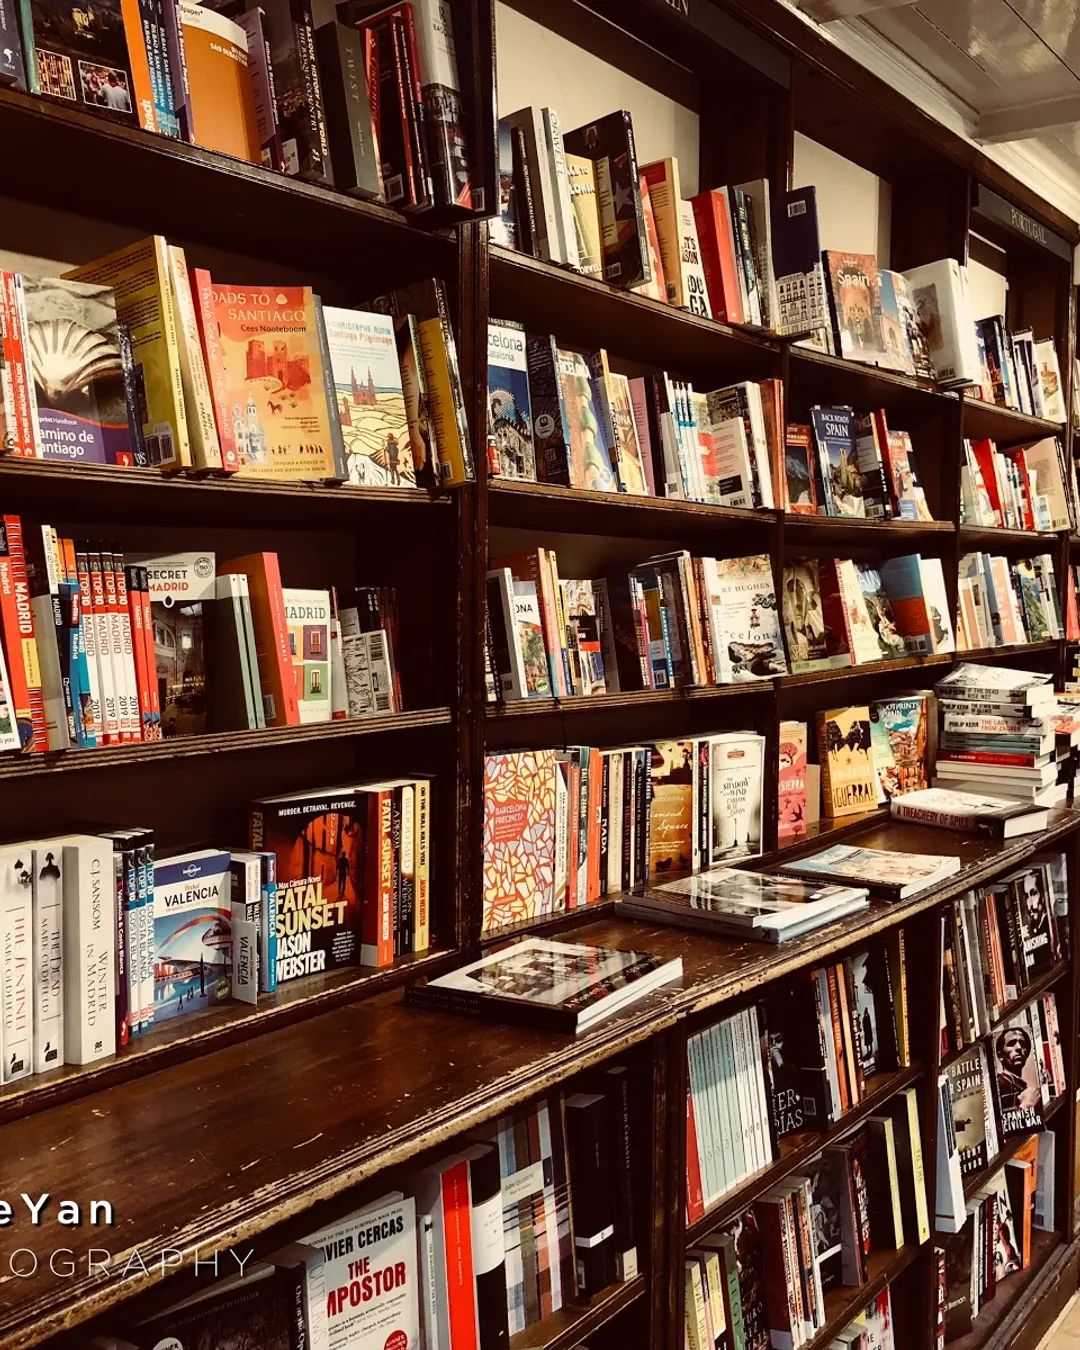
<point>893,875</point>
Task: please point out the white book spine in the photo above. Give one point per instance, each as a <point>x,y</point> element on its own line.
<point>31,384</point>
<point>89,994</point>
<point>16,965</point>
<point>133,721</point>
<point>564,206</point>
<point>48,954</point>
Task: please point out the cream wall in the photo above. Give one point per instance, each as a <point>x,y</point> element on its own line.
<point>854,205</point>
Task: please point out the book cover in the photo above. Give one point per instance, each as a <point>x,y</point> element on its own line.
<point>895,339</point>
<point>736,769</point>
<point>662,185</point>
<point>519,838</point>
<point>84,64</point>
<point>656,288</point>
<point>609,143</point>
<point>1018,1083</point>
<point>796,255</point>
<point>510,433</point>
<point>528,632</point>
<point>18,973</point>
<point>308,615</point>
<point>319,840</point>
<point>791,784</point>
<point>750,1267</point>
<point>746,621</point>
<point>855,301</point>
<point>969,1109</point>
<point>78,372</point>
<point>192,933</point>
<point>180,585</point>
<point>274,378</point>
<point>305,146</point>
<point>583,637</point>
<point>582,179</point>
<point>890,641</point>
<point>267,121</point>
<point>847,764</point>
<point>799,470</point>
<point>898,735</point>
<point>590,464</point>
<point>505,228</point>
<point>671,818</point>
<point>834,437</point>
<point>694,288</point>
<point>842,584</point>
<point>370,401</point>
<point>221,97</point>
<point>812,643</point>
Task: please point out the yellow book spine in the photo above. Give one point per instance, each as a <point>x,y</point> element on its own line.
<point>205,446</point>
<point>168,303</point>
<point>454,466</point>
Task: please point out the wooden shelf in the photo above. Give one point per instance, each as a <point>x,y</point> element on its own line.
<point>588,313</point>
<point>885,535</point>
<point>824,832</point>
<point>990,539</point>
<point>547,506</point>
<point>822,379</point>
<point>254,210</point>
<point>515,708</point>
<point>867,668</point>
<point>1012,649</point>
<point>187,1038</point>
<point>1035,990</point>
<point>56,491</point>
<point>984,421</point>
<point>161,754</point>
<point>571,1324</point>
<point>798,1149</point>
<point>975,1181</point>
<point>1044,1247</point>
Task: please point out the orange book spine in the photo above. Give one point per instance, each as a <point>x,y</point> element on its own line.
<point>140,64</point>
<point>138,647</point>
<point>838,1041</point>
<point>202,292</point>
<point>845,1032</point>
<point>271,636</point>
<point>593,807</point>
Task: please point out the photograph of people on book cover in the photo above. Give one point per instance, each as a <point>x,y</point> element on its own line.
<point>82,54</point>
<point>556,972</point>
<point>1019,1090</point>
<point>750,1262</point>
<point>828,1192</point>
<point>1037,935</point>
<point>865,1011</point>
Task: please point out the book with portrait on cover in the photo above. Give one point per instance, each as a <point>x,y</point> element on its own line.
<point>554,986</point>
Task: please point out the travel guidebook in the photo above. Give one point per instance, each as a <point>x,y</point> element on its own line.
<point>894,875</point>
<point>743,904</point>
<point>554,986</point>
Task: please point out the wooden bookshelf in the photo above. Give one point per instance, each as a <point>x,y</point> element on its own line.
<point>254,1125</point>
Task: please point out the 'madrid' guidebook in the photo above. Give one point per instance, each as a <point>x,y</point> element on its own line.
<point>556,986</point>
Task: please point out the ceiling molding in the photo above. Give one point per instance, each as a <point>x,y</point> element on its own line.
<point>1026,120</point>
<point>825,11</point>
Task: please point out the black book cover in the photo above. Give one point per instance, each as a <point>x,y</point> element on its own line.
<point>1033,905</point>
<point>905,1163</point>
<point>299,91</point>
<point>879,975</point>
<point>615,1085</point>
<point>261,1311</point>
<point>225,639</point>
<point>395,835</point>
<point>627,809</point>
<point>829,1191</point>
<point>879,1183</point>
<point>845,1183</point>
<point>969,1110</point>
<point>523,194</point>
<point>592,1165</point>
<point>1017,1082</point>
<point>750,1264</point>
<point>12,65</point>
<point>958,1258</point>
<point>349,127</point>
<point>784,1076</point>
<point>625,631</point>
<point>551,434</point>
<point>404,36</point>
<point>807,1029</point>
<point>609,143</point>
<point>489,1260</point>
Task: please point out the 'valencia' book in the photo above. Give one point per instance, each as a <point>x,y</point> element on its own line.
<point>1000,817</point>
<point>555,986</point>
<point>743,904</point>
<point>895,875</point>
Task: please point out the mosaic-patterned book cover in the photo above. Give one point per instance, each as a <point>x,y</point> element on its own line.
<point>519,838</point>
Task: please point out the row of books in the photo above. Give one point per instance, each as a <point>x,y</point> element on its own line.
<point>995,1239</point>
<point>105,649</point>
<point>529,1214</point>
<point>332,878</point>
<point>562,829</point>
<point>1022,487</point>
<point>135,359</point>
<point>370,102</point>
<point>1002,601</point>
<point>673,620</point>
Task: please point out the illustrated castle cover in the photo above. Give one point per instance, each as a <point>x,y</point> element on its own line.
<point>319,840</point>
<point>275,389</point>
<point>192,933</point>
<point>370,402</point>
<point>519,837</point>
<point>78,371</point>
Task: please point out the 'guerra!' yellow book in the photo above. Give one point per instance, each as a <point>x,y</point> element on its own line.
<point>139,274</point>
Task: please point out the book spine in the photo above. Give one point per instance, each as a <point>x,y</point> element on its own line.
<point>121,950</point>
<point>18,373</point>
<point>47,978</point>
<point>139,59</point>
<point>20,643</point>
<point>695,1203</point>
<point>422,930</point>
<point>127,649</point>
<point>461,1286</point>
<point>125,721</point>
<point>17,1000</point>
<point>377,918</point>
<point>138,646</point>
<point>89,995</point>
<point>151,656</point>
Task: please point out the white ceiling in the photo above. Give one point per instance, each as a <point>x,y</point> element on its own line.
<point>1005,74</point>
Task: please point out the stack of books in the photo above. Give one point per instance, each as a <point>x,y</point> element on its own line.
<point>996,735</point>
<point>1002,601</point>
<point>562,829</point>
<point>252,381</point>
<point>673,620</point>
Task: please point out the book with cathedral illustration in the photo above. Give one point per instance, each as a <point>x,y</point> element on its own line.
<point>895,876</point>
<point>554,986</point>
<point>728,901</point>
<point>370,404</point>
<point>274,383</point>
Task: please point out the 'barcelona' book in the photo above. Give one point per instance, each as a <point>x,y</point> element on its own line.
<point>554,986</point>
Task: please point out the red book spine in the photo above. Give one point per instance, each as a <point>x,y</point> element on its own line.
<point>573,781</point>
<point>138,645</point>
<point>695,1200</point>
<point>271,635</point>
<point>110,716</point>
<point>116,645</point>
<point>203,294</point>
<point>151,655</point>
<point>377,916</point>
<point>593,806</point>
<point>981,757</point>
<point>460,1285</point>
<point>713,222</point>
<point>18,370</point>
<point>20,644</point>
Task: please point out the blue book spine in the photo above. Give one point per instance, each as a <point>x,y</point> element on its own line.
<point>270,912</point>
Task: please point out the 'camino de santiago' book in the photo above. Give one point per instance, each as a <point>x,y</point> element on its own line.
<point>78,372</point>
<point>510,437</point>
<point>192,933</point>
<point>370,402</point>
<point>318,839</point>
<point>275,391</point>
<point>554,986</point>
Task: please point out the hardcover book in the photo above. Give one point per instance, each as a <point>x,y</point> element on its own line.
<point>519,838</point>
<point>192,933</point>
<point>320,840</point>
<point>559,986</point>
<point>510,435</point>
<point>274,382</point>
<point>847,762</point>
<point>78,372</point>
<point>308,615</point>
<point>582,178</point>
<point>370,402</point>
